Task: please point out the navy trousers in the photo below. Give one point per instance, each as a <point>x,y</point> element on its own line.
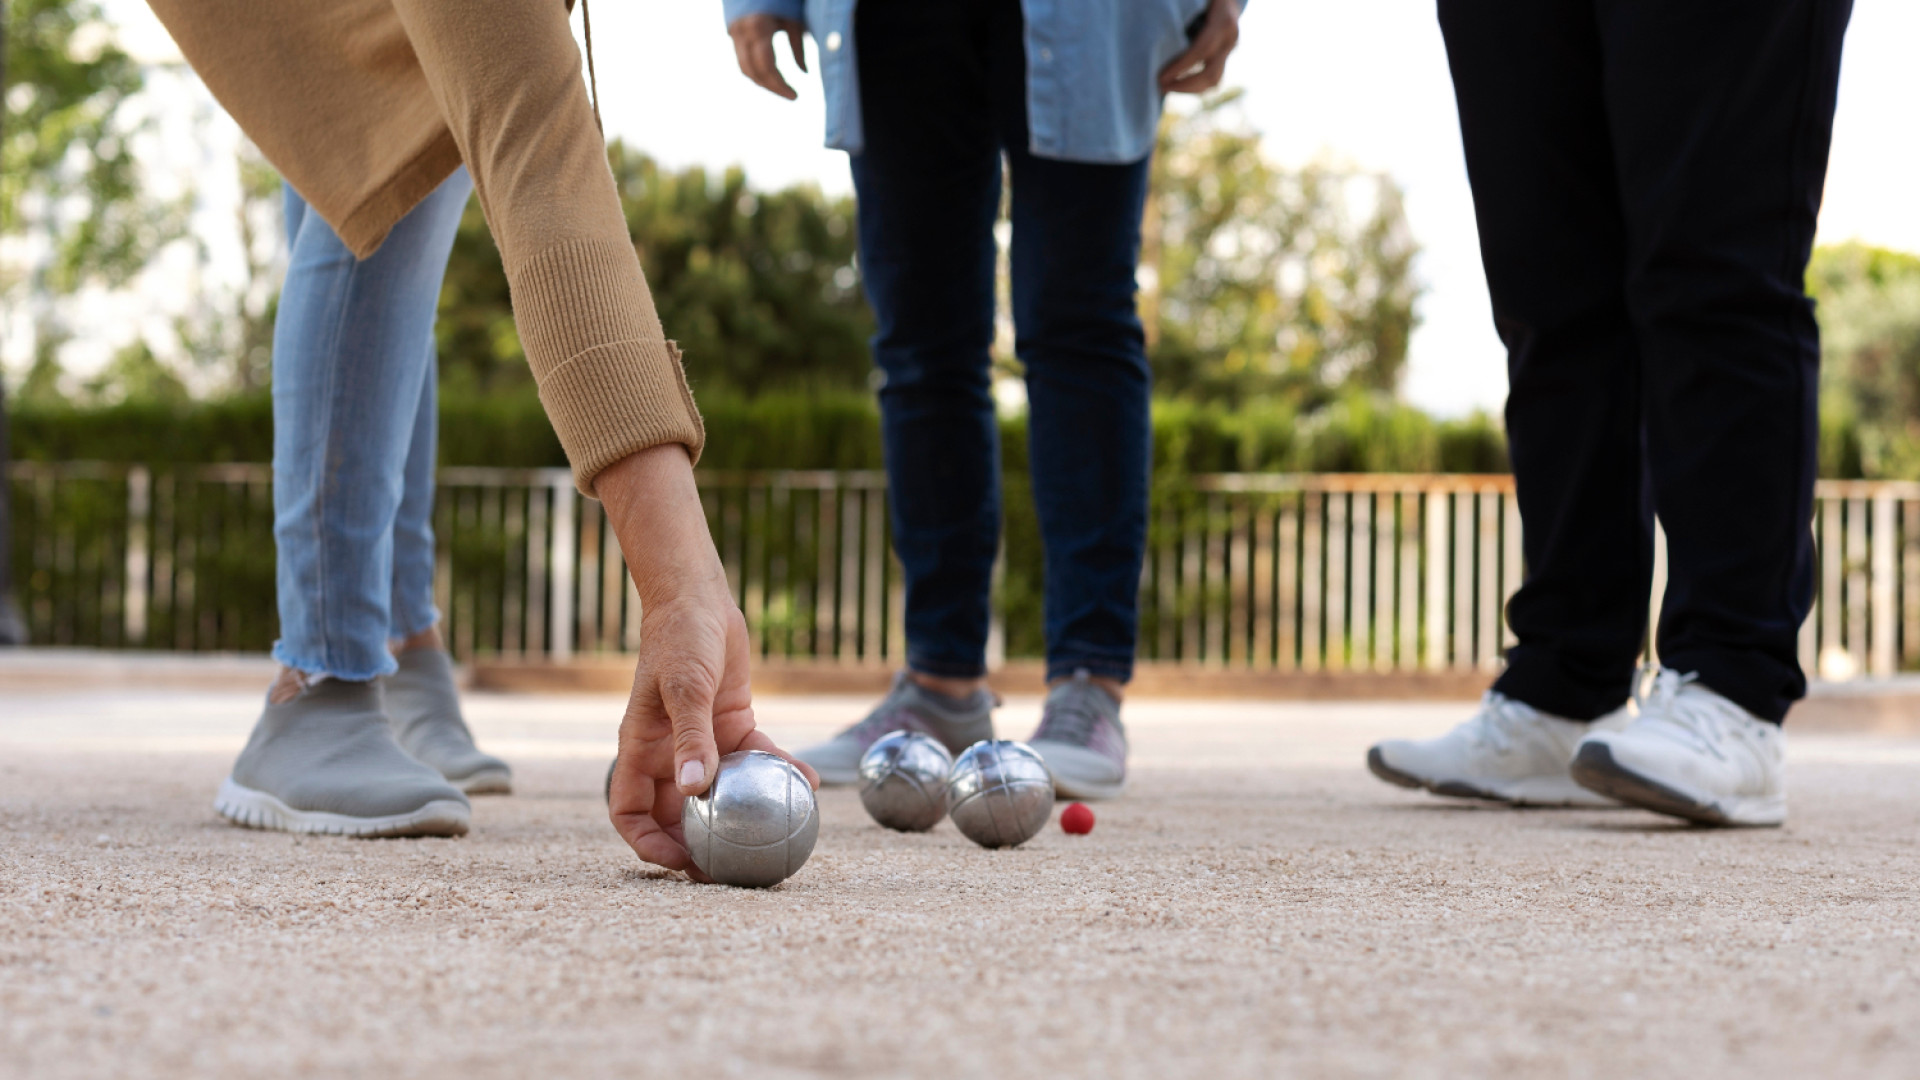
<point>943,101</point>
<point>1646,175</point>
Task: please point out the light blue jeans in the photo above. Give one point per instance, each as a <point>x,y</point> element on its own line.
<point>354,414</point>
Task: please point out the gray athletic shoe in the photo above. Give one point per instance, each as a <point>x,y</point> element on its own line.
<point>423,703</point>
<point>1082,740</point>
<point>908,707</point>
<point>327,762</point>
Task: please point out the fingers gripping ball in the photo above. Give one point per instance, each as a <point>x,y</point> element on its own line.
<point>1000,793</point>
<point>1077,819</point>
<point>903,781</point>
<point>755,826</point>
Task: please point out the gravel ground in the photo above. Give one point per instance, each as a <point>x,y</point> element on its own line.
<point>1256,904</point>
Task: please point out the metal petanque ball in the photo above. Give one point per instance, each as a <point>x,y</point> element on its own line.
<point>903,781</point>
<point>1000,793</point>
<point>756,824</point>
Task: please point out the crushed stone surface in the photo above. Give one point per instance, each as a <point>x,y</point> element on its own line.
<point>1255,905</point>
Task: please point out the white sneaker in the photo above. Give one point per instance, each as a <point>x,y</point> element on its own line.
<point>1510,752</point>
<point>1692,754</point>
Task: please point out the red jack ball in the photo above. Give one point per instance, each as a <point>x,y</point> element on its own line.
<point>1077,819</point>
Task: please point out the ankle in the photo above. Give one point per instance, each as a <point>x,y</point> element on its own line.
<point>421,639</point>
<point>1115,689</point>
<point>290,683</point>
<point>958,689</point>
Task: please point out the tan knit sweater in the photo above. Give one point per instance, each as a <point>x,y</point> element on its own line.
<point>365,106</point>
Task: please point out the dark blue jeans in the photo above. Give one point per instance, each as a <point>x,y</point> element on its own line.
<point>943,98</point>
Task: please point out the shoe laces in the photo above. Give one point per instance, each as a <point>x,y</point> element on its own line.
<point>1074,716</point>
<point>1699,720</point>
<point>1499,720</point>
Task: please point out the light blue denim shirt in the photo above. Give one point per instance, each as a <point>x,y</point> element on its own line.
<point>1093,70</point>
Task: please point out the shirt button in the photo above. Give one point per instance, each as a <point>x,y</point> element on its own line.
<point>833,41</point>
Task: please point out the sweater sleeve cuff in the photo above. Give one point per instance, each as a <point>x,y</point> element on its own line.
<point>616,400</point>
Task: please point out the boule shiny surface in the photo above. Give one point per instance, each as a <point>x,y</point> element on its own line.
<point>903,781</point>
<point>755,824</point>
<point>1000,793</point>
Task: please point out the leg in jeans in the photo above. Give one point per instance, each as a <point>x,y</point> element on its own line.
<point>411,609</point>
<point>1076,243</point>
<point>1721,120</point>
<point>422,698</point>
<point>1528,76</point>
<point>350,352</point>
<point>928,185</point>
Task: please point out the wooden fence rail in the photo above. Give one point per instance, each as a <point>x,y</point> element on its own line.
<point>1365,573</point>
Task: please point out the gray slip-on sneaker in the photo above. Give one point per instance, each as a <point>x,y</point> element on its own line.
<point>908,707</point>
<point>423,702</point>
<point>327,762</point>
<point>1082,740</point>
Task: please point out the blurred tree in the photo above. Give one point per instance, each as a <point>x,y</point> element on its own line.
<point>134,374</point>
<point>1261,282</point>
<point>12,627</point>
<point>1869,309</point>
<point>230,331</point>
<point>69,184</point>
<point>759,288</point>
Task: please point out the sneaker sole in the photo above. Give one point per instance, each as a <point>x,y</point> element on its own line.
<point>259,810</point>
<point>1546,794</point>
<point>486,782</point>
<point>1596,769</point>
<point>1066,788</point>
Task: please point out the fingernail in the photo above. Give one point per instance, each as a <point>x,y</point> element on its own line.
<point>692,773</point>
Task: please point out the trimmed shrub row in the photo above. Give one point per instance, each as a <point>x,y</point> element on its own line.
<point>838,430</point>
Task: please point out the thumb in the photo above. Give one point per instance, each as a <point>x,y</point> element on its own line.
<point>688,697</point>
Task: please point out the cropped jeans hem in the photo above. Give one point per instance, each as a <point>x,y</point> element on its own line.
<point>945,669</point>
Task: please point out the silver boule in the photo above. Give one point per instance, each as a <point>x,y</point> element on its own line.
<point>1000,793</point>
<point>756,824</point>
<point>903,781</point>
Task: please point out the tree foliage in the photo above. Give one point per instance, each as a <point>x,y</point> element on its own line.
<point>70,186</point>
<point>67,169</point>
<point>1869,310</point>
<point>1264,282</point>
<point>759,288</point>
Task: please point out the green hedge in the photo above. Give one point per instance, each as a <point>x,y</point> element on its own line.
<point>817,431</point>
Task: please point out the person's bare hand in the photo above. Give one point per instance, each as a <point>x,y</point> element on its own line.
<point>692,698</point>
<point>753,48</point>
<point>691,703</point>
<point>1204,64</point>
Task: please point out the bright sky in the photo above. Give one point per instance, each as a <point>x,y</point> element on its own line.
<point>1362,80</point>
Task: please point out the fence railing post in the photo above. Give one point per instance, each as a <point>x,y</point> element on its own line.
<point>560,562</point>
<point>1881,658</point>
<point>1659,592</point>
<point>1438,564</point>
<point>133,603</point>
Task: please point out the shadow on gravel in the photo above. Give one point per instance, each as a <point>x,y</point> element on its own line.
<point>1658,826</point>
